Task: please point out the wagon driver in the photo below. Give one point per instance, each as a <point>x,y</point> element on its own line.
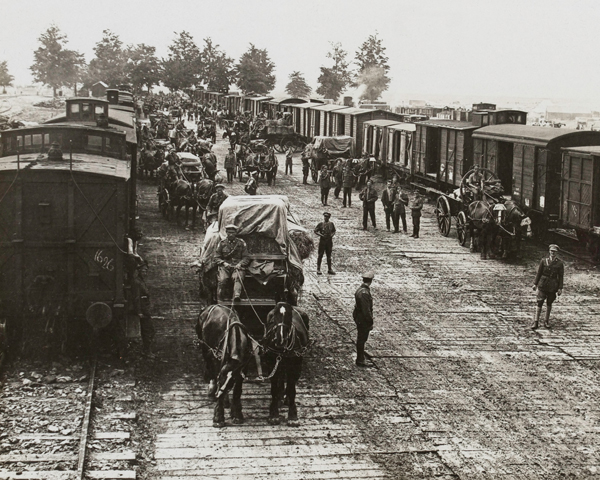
<point>214,203</point>
<point>548,283</point>
<point>475,182</point>
<point>232,259</point>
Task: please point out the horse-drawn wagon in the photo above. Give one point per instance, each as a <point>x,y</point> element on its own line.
<point>492,222</point>
<point>274,273</point>
<point>323,149</point>
<point>278,134</point>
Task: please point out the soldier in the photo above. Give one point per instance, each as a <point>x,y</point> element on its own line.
<point>141,305</point>
<point>369,197</point>
<point>305,169</point>
<point>229,164</point>
<point>347,183</point>
<point>288,160</point>
<point>215,201</point>
<point>388,198</point>
<point>400,204</point>
<point>548,283</point>
<point>232,259</point>
<point>363,316</point>
<point>326,231</point>
<point>415,211</point>
<point>475,183</point>
<point>338,176</point>
<point>324,182</point>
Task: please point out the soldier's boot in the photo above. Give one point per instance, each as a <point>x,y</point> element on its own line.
<point>547,317</point>
<point>329,269</point>
<point>237,290</point>
<point>360,354</point>
<point>536,318</point>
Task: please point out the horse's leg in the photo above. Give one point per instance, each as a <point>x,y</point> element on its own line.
<point>275,394</point>
<point>293,375</point>
<point>187,215</point>
<point>472,239</point>
<point>236,401</point>
<point>219,417</point>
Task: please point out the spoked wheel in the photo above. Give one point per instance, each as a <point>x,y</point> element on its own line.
<point>461,228</point>
<point>279,147</point>
<point>444,218</point>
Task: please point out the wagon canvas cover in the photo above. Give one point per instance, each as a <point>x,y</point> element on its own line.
<point>334,145</point>
<point>265,215</point>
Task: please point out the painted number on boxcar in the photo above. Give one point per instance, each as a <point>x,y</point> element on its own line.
<point>105,262</point>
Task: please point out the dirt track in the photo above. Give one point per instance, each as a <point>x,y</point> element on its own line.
<point>461,388</point>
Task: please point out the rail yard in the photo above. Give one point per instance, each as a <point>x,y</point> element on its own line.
<point>460,386</point>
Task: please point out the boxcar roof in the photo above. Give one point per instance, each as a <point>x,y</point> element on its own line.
<point>86,99</point>
<point>130,135</point>
<point>328,107</point>
<point>82,163</point>
<point>592,150</point>
<point>305,105</point>
<point>260,99</point>
<point>409,127</point>
<point>355,111</point>
<point>456,124</point>
<point>525,133</point>
<point>381,122</point>
<point>280,100</point>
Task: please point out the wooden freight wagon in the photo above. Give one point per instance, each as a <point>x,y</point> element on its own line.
<point>400,149</point>
<point>527,161</point>
<point>63,226</point>
<point>580,194</point>
<point>325,119</point>
<point>375,138</point>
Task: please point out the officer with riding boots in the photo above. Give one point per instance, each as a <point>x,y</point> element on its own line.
<point>229,164</point>
<point>325,231</point>
<point>232,260</point>
<point>214,203</point>
<point>548,283</point>
<point>363,316</point>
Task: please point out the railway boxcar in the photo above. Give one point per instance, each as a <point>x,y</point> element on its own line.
<point>398,159</point>
<point>64,218</point>
<point>527,160</point>
<point>375,133</point>
<point>325,124</point>
<point>580,194</point>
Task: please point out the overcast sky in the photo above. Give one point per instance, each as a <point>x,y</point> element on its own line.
<point>486,49</point>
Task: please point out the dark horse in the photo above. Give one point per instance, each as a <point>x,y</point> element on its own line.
<point>194,195</point>
<point>226,352</point>
<point>498,227</point>
<point>285,340</point>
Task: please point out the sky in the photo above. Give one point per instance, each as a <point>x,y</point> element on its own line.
<point>483,50</point>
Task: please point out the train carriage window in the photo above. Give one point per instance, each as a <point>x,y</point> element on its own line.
<point>99,109</point>
<point>47,139</point>
<point>19,141</point>
<point>37,139</point>
<point>94,143</point>
<point>85,107</point>
<point>27,140</point>
<point>74,108</point>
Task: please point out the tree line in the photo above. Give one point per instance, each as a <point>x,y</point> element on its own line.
<point>189,66</point>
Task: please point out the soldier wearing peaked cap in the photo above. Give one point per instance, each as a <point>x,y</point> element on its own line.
<point>548,283</point>
<point>325,231</point>
<point>363,316</point>
<point>232,259</point>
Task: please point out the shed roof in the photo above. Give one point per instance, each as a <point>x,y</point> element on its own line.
<point>525,133</point>
<point>381,122</point>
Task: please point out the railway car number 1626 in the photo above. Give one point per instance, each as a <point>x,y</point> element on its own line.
<point>104,261</point>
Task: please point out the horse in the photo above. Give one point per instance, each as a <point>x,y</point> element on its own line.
<point>481,220</point>
<point>226,351</point>
<point>286,338</point>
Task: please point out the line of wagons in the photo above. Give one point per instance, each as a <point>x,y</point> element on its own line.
<point>551,174</point>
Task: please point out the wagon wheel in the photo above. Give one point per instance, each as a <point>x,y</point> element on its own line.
<point>444,217</point>
<point>279,147</point>
<point>287,144</point>
<point>299,146</point>
<point>461,228</point>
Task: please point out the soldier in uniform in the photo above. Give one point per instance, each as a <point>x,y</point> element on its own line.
<point>363,316</point>
<point>232,259</point>
<point>288,161</point>
<point>548,283</point>
<point>348,179</point>
<point>369,197</point>
<point>415,211</point>
<point>388,198</point>
<point>305,169</point>
<point>475,182</point>
<point>214,202</point>
<point>400,204</point>
<point>141,304</point>
<point>229,165</point>
<point>326,231</point>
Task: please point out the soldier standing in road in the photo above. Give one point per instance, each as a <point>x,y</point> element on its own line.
<point>338,176</point>
<point>324,182</point>
<point>548,283</point>
<point>347,183</point>
<point>326,231</point>
<point>363,316</point>
<point>369,197</point>
<point>400,204</point>
<point>415,211</point>
<point>230,162</point>
<point>305,169</point>
<point>232,259</point>
<point>288,160</point>
<point>388,198</point>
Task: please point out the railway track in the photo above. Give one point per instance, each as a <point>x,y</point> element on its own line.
<point>57,425</point>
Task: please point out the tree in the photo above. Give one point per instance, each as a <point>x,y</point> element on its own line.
<point>54,65</point>
<point>255,71</point>
<point>143,67</point>
<point>218,71</point>
<point>6,78</point>
<point>333,81</point>
<point>182,68</point>
<point>110,61</point>
<point>298,86</point>
<point>372,68</point>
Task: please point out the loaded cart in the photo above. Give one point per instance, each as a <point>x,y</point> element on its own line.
<point>275,271</point>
